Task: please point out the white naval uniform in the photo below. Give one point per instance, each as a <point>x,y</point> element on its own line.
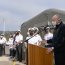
<point>1,46</point>
<point>35,40</point>
<point>48,36</point>
<point>19,38</point>
<point>2,41</point>
<point>10,43</point>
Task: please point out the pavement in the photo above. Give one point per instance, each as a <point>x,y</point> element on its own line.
<point>4,60</point>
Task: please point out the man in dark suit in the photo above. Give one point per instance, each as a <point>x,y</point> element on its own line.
<point>58,41</point>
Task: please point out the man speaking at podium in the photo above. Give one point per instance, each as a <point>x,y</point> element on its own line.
<point>58,41</point>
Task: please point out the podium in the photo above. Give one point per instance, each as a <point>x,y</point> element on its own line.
<point>38,56</point>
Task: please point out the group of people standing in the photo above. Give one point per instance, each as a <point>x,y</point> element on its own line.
<point>53,41</point>
<point>15,46</point>
<point>16,42</point>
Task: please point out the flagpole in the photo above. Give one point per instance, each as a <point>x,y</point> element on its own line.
<point>3,26</point>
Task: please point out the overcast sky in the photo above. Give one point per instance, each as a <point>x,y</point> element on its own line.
<point>15,12</point>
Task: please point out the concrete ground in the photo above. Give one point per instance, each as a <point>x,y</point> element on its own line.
<point>4,60</point>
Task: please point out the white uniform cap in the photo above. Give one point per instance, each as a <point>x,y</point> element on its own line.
<point>2,34</point>
<point>35,28</point>
<point>18,30</point>
<point>30,29</point>
<point>47,27</point>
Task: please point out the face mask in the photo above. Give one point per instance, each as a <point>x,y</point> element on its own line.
<point>31,34</point>
<point>53,23</point>
<point>17,33</point>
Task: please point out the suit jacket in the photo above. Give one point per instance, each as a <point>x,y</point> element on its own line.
<point>58,41</point>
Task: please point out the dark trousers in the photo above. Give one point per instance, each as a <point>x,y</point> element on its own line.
<point>19,52</point>
<point>1,49</point>
<point>59,57</point>
<point>12,52</point>
<point>4,48</point>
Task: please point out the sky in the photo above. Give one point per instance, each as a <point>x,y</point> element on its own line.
<point>13,13</point>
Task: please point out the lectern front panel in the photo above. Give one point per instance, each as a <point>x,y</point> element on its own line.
<point>38,56</point>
